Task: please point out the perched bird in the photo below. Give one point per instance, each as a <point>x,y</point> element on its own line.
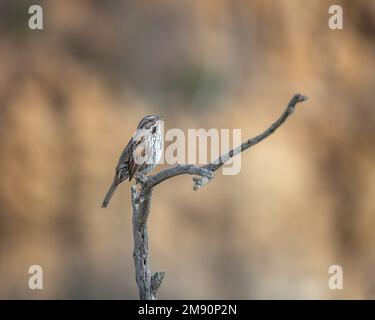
<point>141,154</point>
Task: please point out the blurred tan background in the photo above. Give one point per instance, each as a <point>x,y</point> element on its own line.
<point>72,94</point>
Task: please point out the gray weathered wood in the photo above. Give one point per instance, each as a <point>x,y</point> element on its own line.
<point>147,282</point>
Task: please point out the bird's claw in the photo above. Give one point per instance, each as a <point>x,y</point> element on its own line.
<point>140,178</point>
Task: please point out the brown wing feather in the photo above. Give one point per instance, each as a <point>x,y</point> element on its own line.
<point>133,167</point>
<point>137,150</point>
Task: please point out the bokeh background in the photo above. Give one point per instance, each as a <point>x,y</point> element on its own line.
<point>72,94</point>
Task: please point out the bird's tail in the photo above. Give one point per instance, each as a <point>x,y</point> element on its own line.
<point>109,194</point>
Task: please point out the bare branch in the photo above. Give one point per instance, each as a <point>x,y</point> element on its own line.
<point>156,281</point>
<point>141,200</point>
<point>253,141</point>
<point>149,182</point>
<point>148,284</point>
<point>206,172</point>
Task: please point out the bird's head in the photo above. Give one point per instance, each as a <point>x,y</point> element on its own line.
<point>149,122</point>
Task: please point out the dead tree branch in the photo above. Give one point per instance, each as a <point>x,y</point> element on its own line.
<point>147,282</point>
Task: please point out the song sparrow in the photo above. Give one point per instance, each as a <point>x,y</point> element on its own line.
<point>141,154</point>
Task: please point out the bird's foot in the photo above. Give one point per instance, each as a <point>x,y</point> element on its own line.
<point>140,178</point>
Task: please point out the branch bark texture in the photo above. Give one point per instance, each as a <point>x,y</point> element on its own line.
<point>148,282</point>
